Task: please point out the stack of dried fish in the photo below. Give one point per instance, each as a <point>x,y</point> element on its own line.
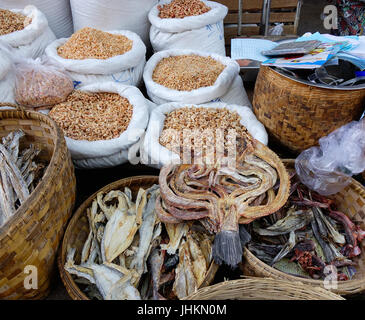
<point>128,255</point>
<point>306,236</point>
<point>222,196</point>
<point>19,174</point>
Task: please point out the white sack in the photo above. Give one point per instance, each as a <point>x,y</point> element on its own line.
<point>155,155</point>
<point>7,78</point>
<point>227,88</point>
<point>125,69</point>
<point>204,32</point>
<point>58,13</point>
<point>113,152</point>
<point>113,15</point>
<point>34,38</point>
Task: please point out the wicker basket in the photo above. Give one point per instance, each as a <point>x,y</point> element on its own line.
<point>297,115</point>
<point>350,201</point>
<point>32,235</point>
<point>262,289</point>
<point>78,230</point>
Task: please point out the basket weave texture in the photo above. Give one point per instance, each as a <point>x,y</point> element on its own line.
<point>78,230</point>
<point>31,237</point>
<point>262,289</point>
<point>297,115</point>
<point>350,201</point>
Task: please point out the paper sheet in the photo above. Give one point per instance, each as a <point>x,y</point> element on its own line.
<point>250,48</point>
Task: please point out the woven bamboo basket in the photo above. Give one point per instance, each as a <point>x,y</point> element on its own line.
<point>262,289</point>
<point>78,230</point>
<point>32,235</point>
<point>297,115</point>
<point>351,201</point>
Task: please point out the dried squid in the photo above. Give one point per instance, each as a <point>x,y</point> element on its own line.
<point>222,196</point>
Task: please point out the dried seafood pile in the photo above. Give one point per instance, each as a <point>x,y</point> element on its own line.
<point>221,196</point>
<point>182,8</point>
<point>130,255</point>
<point>307,235</point>
<point>187,72</point>
<point>93,116</point>
<point>89,43</point>
<point>11,22</point>
<point>20,174</point>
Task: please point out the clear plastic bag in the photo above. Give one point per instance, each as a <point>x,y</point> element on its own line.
<point>41,83</point>
<point>277,30</point>
<point>327,169</point>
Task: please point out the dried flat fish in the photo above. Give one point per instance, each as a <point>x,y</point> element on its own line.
<point>286,248</point>
<point>185,282</point>
<point>146,230</point>
<point>176,232</point>
<point>120,230</point>
<point>198,261</point>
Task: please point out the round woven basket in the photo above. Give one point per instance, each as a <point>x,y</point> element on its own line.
<point>78,230</point>
<point>350,201</point>
<point>262,289</point>
<point>297,115</point>
<point>31,237</point>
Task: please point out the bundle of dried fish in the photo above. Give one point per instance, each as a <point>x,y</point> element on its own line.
<point>122,235</point>
<point>311,236</point>
<point>19,174</point>
<point>130,254</point>
<point>222,196</point>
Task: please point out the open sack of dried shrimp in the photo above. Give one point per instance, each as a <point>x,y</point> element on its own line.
<point>20,172</point>
<point>92,55</point>
<point>171,124</point>
<point>26,30</point>
<point>130,255</point>
<point>188,24</point>
<point>192,76</point>
<point>102,123</point>
<point>308,237</point>
<point>221,195</point>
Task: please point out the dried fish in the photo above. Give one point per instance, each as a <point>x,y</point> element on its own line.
<point>156,262</point>
<point>146,230</point>
<point>293,221</point>
<point>18,174</point>
<point>185,282</point>
<point>176,232</point>
<point>286,248</point>
<point>120,230</point>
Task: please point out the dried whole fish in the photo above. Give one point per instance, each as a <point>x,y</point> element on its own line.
<point>320,236</point>
<point>19,174</point>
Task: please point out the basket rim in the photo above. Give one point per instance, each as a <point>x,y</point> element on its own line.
<point>343,286</point>
<point>49,174</point>
<point>246,280</point>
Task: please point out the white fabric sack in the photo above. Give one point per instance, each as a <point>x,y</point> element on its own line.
<point>155,155</point>
<point>7,79</point>
<point>125,69</point>
<point>58,13</point>
<point>113,152</point>
<point>204,32</point>
<point>227,88</point>
<point>113,15</point>
<point>34,38</point>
